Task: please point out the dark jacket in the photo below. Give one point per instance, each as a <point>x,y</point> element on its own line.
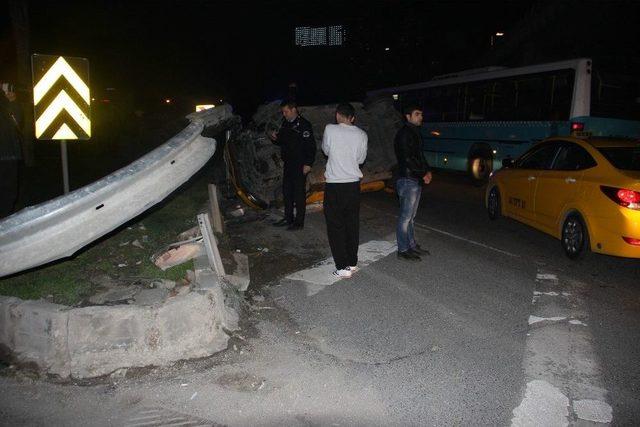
<point>297,144</point>
<point>9,133</point>
<point>408,148</point>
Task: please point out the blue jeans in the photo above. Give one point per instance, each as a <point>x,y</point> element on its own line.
<point>409,191</point>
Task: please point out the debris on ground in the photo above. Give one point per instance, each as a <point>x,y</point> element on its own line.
<point>237,212</point>
<point>191,233</point>
<point>114,295</point>
<point>176,255</point>
<point>137,244</point>
<point>163,283</point>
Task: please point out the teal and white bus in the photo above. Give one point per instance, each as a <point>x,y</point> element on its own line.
<point>476,118</point>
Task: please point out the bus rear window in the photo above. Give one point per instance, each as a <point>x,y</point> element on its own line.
<point>625,158</point>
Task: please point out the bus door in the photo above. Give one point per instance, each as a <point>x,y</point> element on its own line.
<point>521,186</point>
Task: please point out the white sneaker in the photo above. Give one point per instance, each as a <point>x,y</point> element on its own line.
<point>345,273</point>
<point>353,268</point>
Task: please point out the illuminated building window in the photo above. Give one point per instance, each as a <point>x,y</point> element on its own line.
<point>320,36</point>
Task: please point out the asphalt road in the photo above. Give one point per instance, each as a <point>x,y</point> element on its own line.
<point>496,327</point>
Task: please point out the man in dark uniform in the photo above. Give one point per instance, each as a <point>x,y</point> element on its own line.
<point>298,148</point>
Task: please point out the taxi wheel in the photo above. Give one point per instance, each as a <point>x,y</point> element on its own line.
<point>575,238</point>
<point>493,204</point>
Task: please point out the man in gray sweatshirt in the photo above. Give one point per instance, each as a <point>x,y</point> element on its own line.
<point>346,146</point>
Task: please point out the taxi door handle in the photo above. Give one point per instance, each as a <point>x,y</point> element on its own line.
<point>570,180</point>
<point>531,178</point>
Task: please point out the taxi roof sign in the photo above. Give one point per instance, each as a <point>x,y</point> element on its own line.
<point>61,97</point>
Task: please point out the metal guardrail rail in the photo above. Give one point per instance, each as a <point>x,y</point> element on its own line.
<point>60,227</point>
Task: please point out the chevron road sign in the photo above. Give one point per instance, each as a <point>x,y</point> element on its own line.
<point>61,100</point>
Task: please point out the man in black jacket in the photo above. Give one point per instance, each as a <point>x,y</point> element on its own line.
<point>298,148</point>
<point>413,171</point>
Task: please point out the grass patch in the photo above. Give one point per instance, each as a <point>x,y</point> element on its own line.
<point>70,281</point>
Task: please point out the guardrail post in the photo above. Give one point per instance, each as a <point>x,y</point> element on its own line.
<point>214,210</point>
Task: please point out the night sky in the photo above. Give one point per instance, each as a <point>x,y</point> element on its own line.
<point>244,52</point>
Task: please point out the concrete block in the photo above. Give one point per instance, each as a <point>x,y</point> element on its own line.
<point>208,283</point>
<point>189,327</point>
<point>40,335</point>
<point>7,326</point>
<point>240,278</point>
<point>103,339</point>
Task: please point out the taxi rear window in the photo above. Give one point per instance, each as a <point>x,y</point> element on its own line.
<point>625,158</point>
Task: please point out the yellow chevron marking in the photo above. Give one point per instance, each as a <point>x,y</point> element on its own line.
<point>58,69</point>
<point>65,133</point>
<point>62,102</point>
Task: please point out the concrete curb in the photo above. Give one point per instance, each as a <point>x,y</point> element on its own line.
<point>93,341</point>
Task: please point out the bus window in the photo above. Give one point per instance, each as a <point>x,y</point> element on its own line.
<point>477,94</point>
<point>531,94</point>
<point>615,96</point>
<point>561,94</point>
<point>443,104</point>
<point>503,100</point>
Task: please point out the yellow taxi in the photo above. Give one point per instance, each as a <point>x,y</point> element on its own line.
<point>583,191</point>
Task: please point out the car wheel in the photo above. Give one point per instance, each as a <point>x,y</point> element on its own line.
<point>494,208</point>
<point>480,167</point>
<point>575,237</point>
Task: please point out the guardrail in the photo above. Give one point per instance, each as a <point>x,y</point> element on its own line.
<point>60,227</point>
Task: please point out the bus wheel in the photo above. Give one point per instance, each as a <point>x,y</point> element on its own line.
<point>480,166</point>
<point>493,204</point>
<point>575,237</point>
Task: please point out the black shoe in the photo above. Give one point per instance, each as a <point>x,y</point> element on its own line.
<point>419,251</point>
<point>409,255</point>
<point>281,223</point>
<point>294,227</point>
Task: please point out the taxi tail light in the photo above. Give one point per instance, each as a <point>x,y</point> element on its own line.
<point>627,198</point>
<point>632,241</point>
<point>577,127</point>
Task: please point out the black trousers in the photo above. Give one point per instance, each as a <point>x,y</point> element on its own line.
<point>342,213</point>
<point>294,192</point>
<point>8,186</point>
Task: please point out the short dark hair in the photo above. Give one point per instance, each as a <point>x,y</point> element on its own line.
<point>346,110</point>
<point>289,103</point>
<point>410,108</point>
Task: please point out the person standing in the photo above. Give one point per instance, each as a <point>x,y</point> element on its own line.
<point>346,147</point>
<point>298,148</point>
<point>10,151</point>
<point>413,171</point>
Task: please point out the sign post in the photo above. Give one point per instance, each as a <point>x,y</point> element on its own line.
<point>61,102</point>
<point>65,165</point>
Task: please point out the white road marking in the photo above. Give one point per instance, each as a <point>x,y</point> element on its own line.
<point>320,275</point>
<point>536,319</point>
<point>593,410</point>
<point>560,363</point>
<point>473,242</point>
<point>549,294</point>
<point>446,233</point>
<point>543,405</point>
